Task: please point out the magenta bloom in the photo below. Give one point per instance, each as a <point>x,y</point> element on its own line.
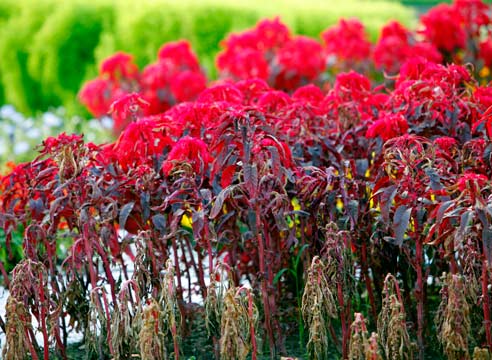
<point>347,40</point>
<point>192,151</point>
<point>469,178</point>
<point>118,66</point>
<point>388,126</point>
<point>442,27</point>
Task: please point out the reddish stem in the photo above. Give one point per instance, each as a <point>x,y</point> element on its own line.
<point>201,274</point>
<point>174,331</point>
<point>368,280</point>
<point>263,284</point>
<point>31,341</point>
<point>150,247</point>
<point>179,290</point>
<point>343,321</point>
<point>4,274</point>
<point>46,344</point>
<point>107,270</point>
<point>198,269</point>
<point>486,303</point>
<point>419,294</point>
<point>209,248</point>
<point>88,251</point>
<point>272,250</point>
<point>108,322</point>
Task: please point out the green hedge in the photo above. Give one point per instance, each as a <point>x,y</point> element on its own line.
<point>48,48</point>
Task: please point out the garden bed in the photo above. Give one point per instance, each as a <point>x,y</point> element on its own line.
<point>322,200</point>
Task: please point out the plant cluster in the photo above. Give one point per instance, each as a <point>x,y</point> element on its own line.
<point>286,62</point>
<point>175,77</point>
<point>340,210</point>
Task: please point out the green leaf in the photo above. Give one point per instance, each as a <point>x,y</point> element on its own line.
<point>299,254</point>
<point>279,275</point>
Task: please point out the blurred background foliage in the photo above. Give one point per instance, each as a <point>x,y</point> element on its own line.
<point>48,48</point>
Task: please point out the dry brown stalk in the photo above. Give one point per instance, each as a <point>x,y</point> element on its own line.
<point>358,338</point>
<point>124,321</point>
<point>231,315</point>
<point>360,346</point>
<point>339,273</point>
<point>150,338</point>
<point>98,327</point>
<point>18,318</point>
<point>392,328</point>
<point>169,306</point>
<point>453,318</point>
<point>143,264</point>
<point>372,349</point>
<point>481,354</point>
<point>238,321</point>
<point>214,302</point>
<point>318,306</point>
<point>29,295</point>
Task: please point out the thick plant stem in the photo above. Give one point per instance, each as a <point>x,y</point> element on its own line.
<point>179,289</point>
<point>367,279</point>
<point>264,286</point>
<point>419,294</point>
<point>209,248</point>
<point>486,304</point>
<point>32,343</point>
<point>42,299</point>
<point>5,275</point>
<point>343,321</point>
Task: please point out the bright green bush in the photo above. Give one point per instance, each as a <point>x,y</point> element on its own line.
<point>48,48</point>
<point>62,51</point>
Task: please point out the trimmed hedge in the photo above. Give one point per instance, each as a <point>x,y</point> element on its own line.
<point>48,48</point>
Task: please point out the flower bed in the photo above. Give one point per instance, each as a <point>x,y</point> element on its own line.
<point>355,216</point>
<point>48,50</point>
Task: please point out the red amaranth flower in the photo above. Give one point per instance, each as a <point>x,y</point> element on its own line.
<point>53,145</point>
<point>118,66</point>
<point>98,95</point>
<point>274,101</point>
<point>397,45</point>
<point>252,89</point>
<point>127,109</point>
<point>223,92</point>
<point>187,85</point>
<point>351,86</point>
<point>485,52</point>
<point>301,57</point>
<point>483,96</point>
<point>347,40</point>
<point>474,14</point>
<point>310,94</point>
<point>413,68</point>
<point>388,126</point>
<point>179,56</point>
<point>466,180</point>
<point>446,144</point>
<point>245,64</point>
<point>442,27</point>
<point>192,151</point>
<point>271,34</point>
<point>140,144</point>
